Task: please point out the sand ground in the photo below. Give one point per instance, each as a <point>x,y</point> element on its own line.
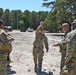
<point>22,58</point>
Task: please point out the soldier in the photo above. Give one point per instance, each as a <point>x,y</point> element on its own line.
<point>3,49</point>
<point>62,44</point>
<point>38,52</point>
<point>70,60</point>
<point>9,45</point>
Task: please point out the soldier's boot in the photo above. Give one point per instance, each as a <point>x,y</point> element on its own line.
<point>35,68</point>
<point>39,68</point>
<point>35,61</point>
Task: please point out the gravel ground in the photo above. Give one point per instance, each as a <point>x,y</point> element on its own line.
<point>22,58</point>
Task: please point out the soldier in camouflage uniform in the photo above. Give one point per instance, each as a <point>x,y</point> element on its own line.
<point>70,60</point>
<point>3,50</point>
<point>62,44</point>
<point>9,45</point>
<point>38,52</point>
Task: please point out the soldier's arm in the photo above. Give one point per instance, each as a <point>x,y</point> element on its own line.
<point>46,43</point>
<point>10,38</point>
<point>59,43</point>
<point>37,30</point>
<point>3,38</point>
<point>70,49</point>
<point>56,44</point>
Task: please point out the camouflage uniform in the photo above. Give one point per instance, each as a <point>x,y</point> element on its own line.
<point>63,47</point>
<point>38,49</point>
<point>38,29</point>
<point>3,52</point>
<point>9,46</point>
<point>70,61</point>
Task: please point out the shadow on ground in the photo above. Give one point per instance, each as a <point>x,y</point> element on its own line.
<point>42,73</point>
<point>10,72</point>
<point>45,73</point>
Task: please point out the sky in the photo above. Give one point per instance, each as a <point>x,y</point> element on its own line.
<point>31,5</point>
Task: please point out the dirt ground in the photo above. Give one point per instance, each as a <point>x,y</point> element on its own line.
<point>22,58</point>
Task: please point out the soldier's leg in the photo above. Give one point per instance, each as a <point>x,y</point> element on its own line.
<point>8,59</point>
<point>63,54</point>
<point>35,56</point>
<point>35,60</point>
<point>3,65</point>
<point>74,71</point>
<point>68,70</point>
<point>40,59</point>
<point>2,70</point>
<point>65,72</point>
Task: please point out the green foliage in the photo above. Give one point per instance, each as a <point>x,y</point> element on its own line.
<point>21,23</point>
<point>61,11</point>
<point>1,12</point>
<point>34,19</point>
<point>17,18</point>
<point>7,17</point>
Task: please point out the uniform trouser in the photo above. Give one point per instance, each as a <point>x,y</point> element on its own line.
<point>69,70</point>
<point>8,57</point>
<point>3,63</point>
<point>38,57</point>
<point>9,46</point>
<point>63,55</point>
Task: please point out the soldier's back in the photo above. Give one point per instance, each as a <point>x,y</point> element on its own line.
<point>3,53</point>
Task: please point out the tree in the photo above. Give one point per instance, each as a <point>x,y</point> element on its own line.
<point>17,18</point>
<point>34,19</point>
<point>27,19</point>
<point>64,10</point>
<point>21,23</point>
<point>7,17</point>
<point>42,15</point>
<point>1,12</point>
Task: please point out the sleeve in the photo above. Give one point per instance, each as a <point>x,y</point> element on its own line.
<point>62,45</point>
<point>46,42</point>
<point>37,30</point>
<point>3,38</point>
<point>59,43</point>
<point>9,37</point>
<point>62,41</point>
<point>70,48</point>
